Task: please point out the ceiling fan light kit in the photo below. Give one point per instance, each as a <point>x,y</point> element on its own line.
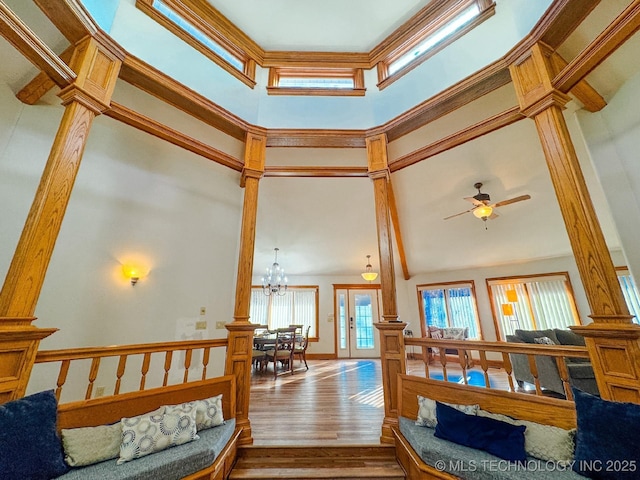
<point>483,208</point>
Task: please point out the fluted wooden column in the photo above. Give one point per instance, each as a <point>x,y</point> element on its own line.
<point>392,352</point>
<point>239,357</point>
<point>96,63</point>
<point>612,339</point>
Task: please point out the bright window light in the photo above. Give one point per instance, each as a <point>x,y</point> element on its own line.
<point>432,40</point>
<point>300,82</point>
<point>201,37</point>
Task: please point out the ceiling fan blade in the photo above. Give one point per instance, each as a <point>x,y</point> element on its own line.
<point>476,202</point>
<point>493,215</point>
<point>512,200</point>
<point>458,214</point>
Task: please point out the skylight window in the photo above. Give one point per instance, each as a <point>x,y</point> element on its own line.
<point>432,40</point>
<point>200,36</point>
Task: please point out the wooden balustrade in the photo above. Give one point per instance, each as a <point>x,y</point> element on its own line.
<point>123,353</point>
<point>471,351</point>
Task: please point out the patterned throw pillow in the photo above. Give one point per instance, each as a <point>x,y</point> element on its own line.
<point>436,334</point>
<point>544,341</point>
<point>455,333</point>
<point>89,445</point>
<point>208,411</point>
<point>427,411</point>
<point>545,442</point>
<point>154,432</point>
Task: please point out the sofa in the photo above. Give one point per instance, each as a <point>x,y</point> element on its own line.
<point>449,333</point>
<point>580,371</point>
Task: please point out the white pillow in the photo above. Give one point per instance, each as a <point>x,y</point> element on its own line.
<point>208,411</point>
<point>153,432</point>
<point>427,411</point>
<point>545,442</point>
<point>89,445</point>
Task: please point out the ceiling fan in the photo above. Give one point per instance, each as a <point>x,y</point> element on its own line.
<point>482,206</point>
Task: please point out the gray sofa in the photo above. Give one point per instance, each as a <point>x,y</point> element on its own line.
<point>580,370</point>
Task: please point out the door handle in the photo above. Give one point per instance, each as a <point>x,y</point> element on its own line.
<point>351,323</point>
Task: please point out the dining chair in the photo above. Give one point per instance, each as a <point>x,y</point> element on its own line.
<point>300,349</point>
<point>283,350</point>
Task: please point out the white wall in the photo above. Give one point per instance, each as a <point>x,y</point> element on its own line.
<point>135,197</point>
<point>613,139</point>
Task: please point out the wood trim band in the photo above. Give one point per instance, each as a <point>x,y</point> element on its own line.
<point>147,78</point>
<point>316,59</point>
<point>470,133</point>
<point>318,92</point>
<point>157,129</point>
<point>326,172</point>
<point>625,25</point>
<point>282,137</point>
<point>35,50</point>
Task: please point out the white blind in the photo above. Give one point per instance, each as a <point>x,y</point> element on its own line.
<point>297,306</point>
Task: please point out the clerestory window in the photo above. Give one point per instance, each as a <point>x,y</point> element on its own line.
<point>445,22</point>
<point>316,81</point>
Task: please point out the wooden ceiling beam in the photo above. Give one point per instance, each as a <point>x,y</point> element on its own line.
<point>41,83</point>
<point>458,138</point>
<point>18,34</point>
<point>611,38</point>
<point>157,129</point>
<point>317,172</point>
<point>395,221</point>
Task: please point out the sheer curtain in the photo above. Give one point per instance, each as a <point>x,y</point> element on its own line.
<point>259,309</point>
<point>521,318</point>
<point>296,306</point>
<point>550,304</point>
<point>463,312</point>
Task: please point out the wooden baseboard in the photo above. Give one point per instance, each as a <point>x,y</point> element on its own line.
<point>321,356</point>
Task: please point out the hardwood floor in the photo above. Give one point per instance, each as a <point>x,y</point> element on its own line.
<point>335,402</point>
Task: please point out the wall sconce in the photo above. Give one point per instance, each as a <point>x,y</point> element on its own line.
<point>133,272</point>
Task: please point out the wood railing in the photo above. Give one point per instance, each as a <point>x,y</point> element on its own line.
<point>124,353</point>
<point>472,352</point>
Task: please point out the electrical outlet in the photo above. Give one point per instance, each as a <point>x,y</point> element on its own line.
<point>220,325</point>
<point>100,391</point>
<point>201,325</point>
<point>203,310</point>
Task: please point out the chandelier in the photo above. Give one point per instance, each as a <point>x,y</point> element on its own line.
<point>274,282</point>
<point>369,275</point>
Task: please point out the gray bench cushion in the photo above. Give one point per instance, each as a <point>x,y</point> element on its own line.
<point>170,464</point>
<point>472,464</point>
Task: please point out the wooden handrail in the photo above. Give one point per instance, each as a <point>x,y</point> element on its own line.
<point>122,353</point>
<point>506,347</point>
<point>115,350</point>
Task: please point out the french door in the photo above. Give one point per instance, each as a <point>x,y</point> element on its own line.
<point>357,310</point>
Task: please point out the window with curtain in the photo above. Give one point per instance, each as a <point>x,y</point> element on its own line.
<point>536,302</point>
<point>630,292</point>
<point>449,305</point>
<point>298,306</point>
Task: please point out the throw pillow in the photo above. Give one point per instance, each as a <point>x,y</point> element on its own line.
<point>607,440</point>
<point>89,445</point>
<point>528,336</point>
<point>149,433</point>
<point>455,333</point>
<point>545,442</point>
<point>30,448</point>
<point>435,334</point>
<point>208,411</point>
<point>544,341</point>
<point>493,436</point>
<point>427,411</point>
<point>567,337</point>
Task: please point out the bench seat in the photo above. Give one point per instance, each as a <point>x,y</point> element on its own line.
<point>472,464</point>
<point>173,463</point>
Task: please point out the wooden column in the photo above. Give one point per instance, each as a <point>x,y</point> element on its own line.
<point>612,339</point>
<point>96,63</point>
<point>392,352</point>
<point>241,330</point>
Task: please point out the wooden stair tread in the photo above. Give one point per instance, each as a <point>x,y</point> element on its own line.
<point>302,462</point>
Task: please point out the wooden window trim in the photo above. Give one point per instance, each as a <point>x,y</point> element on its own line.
<point>246,76</point>
<point>276,73</point>
<point>520,279</point>
<point>458,283</point>
<point>434,17</point>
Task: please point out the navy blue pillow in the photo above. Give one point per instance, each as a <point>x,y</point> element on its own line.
<point>607,438</point>
<point>30,448</point>
<point>498,438</point>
